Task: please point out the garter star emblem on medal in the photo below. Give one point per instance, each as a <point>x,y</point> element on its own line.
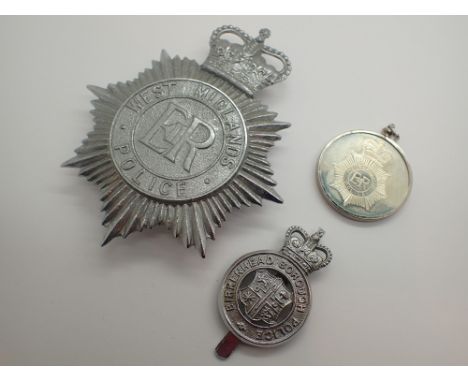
<point>265,297</point>
<point>183,144</point>
<point>365,175</point>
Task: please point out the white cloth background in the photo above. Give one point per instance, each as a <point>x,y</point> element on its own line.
<point>395,292</point>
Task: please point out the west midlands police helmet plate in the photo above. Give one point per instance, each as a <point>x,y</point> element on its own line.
<point>184,144</point>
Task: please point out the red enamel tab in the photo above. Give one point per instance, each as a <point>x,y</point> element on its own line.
<point>227,345</point>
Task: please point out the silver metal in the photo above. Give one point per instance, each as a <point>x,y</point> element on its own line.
<point>265,296</point>
<point>389,132</point>
<point>365,175</point>
<point>244,65</point>
<point>181,146</point>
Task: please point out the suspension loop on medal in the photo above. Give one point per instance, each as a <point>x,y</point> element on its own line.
<point>389,132</point>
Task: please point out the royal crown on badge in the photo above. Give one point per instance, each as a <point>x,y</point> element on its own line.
<point>305,249</point>
<point>245,65</point>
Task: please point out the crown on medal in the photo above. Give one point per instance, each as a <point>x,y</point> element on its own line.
<point>376,151</point>
<point>244,65</point>
<point>305,249</point>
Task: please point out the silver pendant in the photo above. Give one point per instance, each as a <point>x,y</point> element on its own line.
<point>184,144</point>
<point>265,297</point>
<point>365,175</point>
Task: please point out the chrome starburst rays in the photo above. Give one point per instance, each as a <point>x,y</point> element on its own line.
<point>179,147</point>
<point>360,180</point>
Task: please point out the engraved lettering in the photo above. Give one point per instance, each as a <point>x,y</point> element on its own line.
<point>137,103</point>
<point>233,125</point>
<point>229,294</point>
<point>128,164</point>
<point>259,334</point>
<point>230,285</point>
<point>229,162</point>
<point>233,278</point>
<point>202,92</point>
<point>136,178</point>
<point>229,306</point>
<point>152,183</point>
<point>234,139</point>
<point>157,91</point>
<point>232,151</point>
<point>163,90</point>
<point>233,145</point>
<point>301,308</point>
<point>125,149</point>
<point>227,112</point>
<point>302,291</point>
<point>165,187</point>
<point>279,332</point>
<point>245,265</point>
<point>205,93</point>
<point>146,96</point>
<point>221,104</point>
<point>268,335</point>
<point>181,188</point>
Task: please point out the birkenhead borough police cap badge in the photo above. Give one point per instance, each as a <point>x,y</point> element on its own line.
<point>184,144</point>
<point>265,296</point>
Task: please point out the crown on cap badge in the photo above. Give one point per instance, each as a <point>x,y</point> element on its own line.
<point>305,249</point>
<point>244,65</point>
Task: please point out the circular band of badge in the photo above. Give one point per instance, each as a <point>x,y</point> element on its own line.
<point>179,138</point>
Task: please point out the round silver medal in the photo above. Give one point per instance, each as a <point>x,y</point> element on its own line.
<point>183,144</point>
<point>265,297</point>
<point>364,175</point>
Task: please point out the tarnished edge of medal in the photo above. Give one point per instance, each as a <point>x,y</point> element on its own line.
<point>221,309</point>
<point>127,210</point>
<point>338,208</point>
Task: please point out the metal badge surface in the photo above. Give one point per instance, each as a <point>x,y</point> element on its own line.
<point>265,296</point>
<point>184,144</point>
<point>364,175</point>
